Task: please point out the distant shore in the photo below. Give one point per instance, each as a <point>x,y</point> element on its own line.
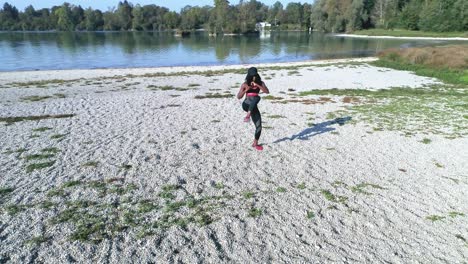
<point>394,37</point>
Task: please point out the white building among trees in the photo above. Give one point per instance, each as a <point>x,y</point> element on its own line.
<point>260,26</point>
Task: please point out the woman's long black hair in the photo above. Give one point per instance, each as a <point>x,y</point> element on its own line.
<point>252,72</point>
<point>258,79</point>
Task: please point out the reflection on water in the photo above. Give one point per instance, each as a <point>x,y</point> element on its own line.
<point>71,50</point>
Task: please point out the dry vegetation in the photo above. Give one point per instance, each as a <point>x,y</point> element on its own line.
<point>447,63</point>
<point>452,57</point>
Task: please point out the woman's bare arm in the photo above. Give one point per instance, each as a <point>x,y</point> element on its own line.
<point>264,88</point>
<point>242,91</point>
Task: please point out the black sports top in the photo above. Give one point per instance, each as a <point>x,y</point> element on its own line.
<point>253,90</point>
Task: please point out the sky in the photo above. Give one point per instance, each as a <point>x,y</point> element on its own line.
<point>104,5</point>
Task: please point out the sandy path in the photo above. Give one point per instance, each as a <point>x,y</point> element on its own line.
<point>324,193</point>
<point>393,37</point>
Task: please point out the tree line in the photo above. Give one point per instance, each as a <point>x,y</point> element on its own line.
<point>223,17</point>
<point>220,18</point>
<point>425,15</point>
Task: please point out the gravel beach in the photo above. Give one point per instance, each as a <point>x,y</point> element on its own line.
<point>156,166</point>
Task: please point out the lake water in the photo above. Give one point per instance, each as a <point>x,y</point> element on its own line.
<point>89,50</point>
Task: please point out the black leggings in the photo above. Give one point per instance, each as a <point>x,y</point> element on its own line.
<point>253,102</point>
<point>254,114</point>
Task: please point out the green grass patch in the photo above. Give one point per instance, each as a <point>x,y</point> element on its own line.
<point>41,129</point>
<point>126,166</point>
<point>436,109</point>
<point>37,240</point>
<point>146,206</point>
<point>255,212</point>
<point>410,33</point>
<point>281,189</point>
<point>310,215</point>
<point>435,218</point>
<point>293,72</point>
<point>301,186</point>
<point>337,184</point>
<point>112,209</point>
<point>333,198</point>
<point>214,95</point>
<point>90,164</point>
<point>362,187</point>
<point>34,98</point>
<point>271,97</point>
<point>449,76</point>
<point>6,190</point>
<point>166,88</point>
<point>72,184</point>
<point>18,151</point>
<point>328,195</point>
<point>41,84</point>
<point>51,150</point>
<point>276,116</point>
<point>426,141</point>
<point>10,120</point>
<point>456,214</point>
<point>168,192</point>
<point>56,192</point>
<point>248,194</point>
<point>47,204</point>
<point>14,209</point>
<point>39,166</point>
<point>38,156</point>
<point>58,136</point>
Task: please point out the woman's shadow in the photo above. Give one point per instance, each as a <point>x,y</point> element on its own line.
<point>316,129</point>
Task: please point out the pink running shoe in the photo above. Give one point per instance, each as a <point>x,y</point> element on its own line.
<point>257,147</point>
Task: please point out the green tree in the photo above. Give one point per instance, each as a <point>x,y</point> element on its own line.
<point>27,18</point>
<point>110,20</point>
<point>275,14</point>
<point>171,20</point>
<point>78,20</point>
<point>138,18</point>
<point>294,13</point>
<point>382,13</point>
<point>9,17</point>
<point>460,8</point>
<point>124,15</point>
<point>409,17</point>
<point>154,17</point>
<point>221,8</point>
<point>307,12</point>
<point>247,18</point>
<point>359,15</point>
<point>191,18</point>
<point>93,19</point>
<point>439,15</point>
<point>43,20</point>
<point>64,17</point>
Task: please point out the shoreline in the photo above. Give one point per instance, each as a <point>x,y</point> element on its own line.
<point>394,37</point>
<point>204,67</point>
<point>12,76</point>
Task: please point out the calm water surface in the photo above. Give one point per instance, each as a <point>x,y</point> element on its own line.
<point>88,50</point>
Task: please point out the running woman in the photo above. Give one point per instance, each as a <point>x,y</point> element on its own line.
<point>251,88</point>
